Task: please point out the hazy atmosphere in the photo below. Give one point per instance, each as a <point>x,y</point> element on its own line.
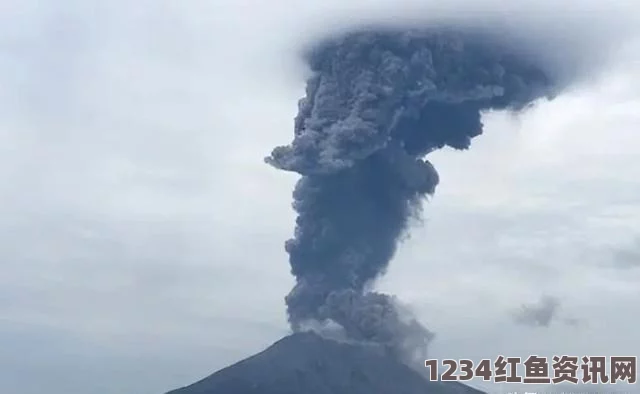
<point>142,235</point>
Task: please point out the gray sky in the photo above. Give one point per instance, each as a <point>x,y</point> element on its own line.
<point>141,234</point>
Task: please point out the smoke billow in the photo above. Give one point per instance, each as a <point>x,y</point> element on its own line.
<point>377,103</point>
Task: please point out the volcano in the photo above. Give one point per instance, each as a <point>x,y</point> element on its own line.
<point>306,363</point>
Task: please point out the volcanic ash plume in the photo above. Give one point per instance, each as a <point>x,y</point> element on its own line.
<point>377,103</point>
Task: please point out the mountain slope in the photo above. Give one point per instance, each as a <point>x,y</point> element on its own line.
<point>305,363</point>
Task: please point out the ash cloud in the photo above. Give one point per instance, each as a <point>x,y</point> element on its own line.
<point>627,258</point>
<point>378,101</point>
<point>543,313</point>
<point>538,314</point>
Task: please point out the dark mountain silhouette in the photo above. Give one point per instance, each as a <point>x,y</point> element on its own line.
<point>305,363</point>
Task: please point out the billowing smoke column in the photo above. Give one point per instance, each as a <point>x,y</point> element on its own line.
<point>377,103</point>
